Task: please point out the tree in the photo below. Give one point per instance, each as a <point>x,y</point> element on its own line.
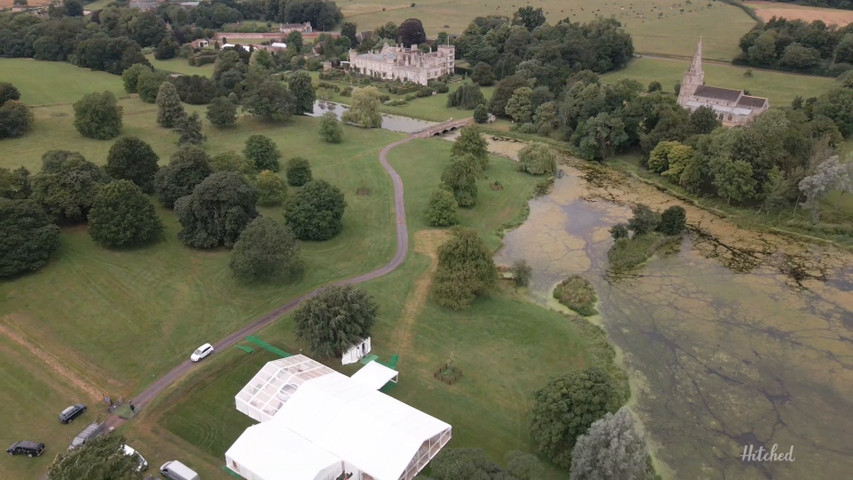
<point>167,48</point>
<point>703,120</point>
<point>466,97</point>
<point>829,175</point>
<point>132,159</point>
<point>170,110</point>
<point>101,458</point>
<point>465,269</point>
<point>27,237</point>
<point>16,119</point>
<point>503,92</point>
<point>15,184</point>
<point>298,171</point>
<point>266,251</point>
<point>538,159</point>
<point>411,32</point>
<point>620,230</point>
<point>222,112</point>
<point>271,189</point>
<point>217,211</point>
<point>599,137</point>
<point>8,92</point>
<point>733,179</point>
<point>364,110</point>
<point>471,142</point>
<point>673,220</point>
<point>645,219</point>
<point>654,86</point>
<point>270,101</point>
<point>315,211</point>
<point>520,106</point>
<point>481,114</point>
<point>294,41</point>
<point>98,116</point>
<point>567,407</point>
<point>521,273</point>
<point>483,75</point>
<point>130,76</point>
<point>330,128</point>
<point>349,30</point>
<point>148,85</point>
<point>669,158</point>
<point>303,92</point>
<point>612,448</point>
<point>187,168</point>
<point>122,216</point>
<point>232,162</point>
<point>386,32</point>
<point>528,17</point>
<point>190,130</point>
<point>66,185</point>
<point>799,57</point>
<point>441,209</point>
<point>263,152</point>
<point>546,119</point>
<point>460,176</point>
<point>335,320</point>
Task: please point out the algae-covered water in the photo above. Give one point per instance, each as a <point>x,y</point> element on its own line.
<point>724,345</point>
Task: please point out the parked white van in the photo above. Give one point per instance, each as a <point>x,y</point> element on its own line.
<point>178,471</point>
<point>130,452</point>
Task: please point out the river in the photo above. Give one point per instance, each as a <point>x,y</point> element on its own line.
<point>725,347</point>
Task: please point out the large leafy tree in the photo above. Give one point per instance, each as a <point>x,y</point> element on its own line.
<point>298,171</point>
<point>16,119</point>
<point>262,152</point>
<point>27,237</point>
<point>98,116</point>
<point>503,92</point>
<point>330,128</point>
<point>222,112</point>
<point>101,458</point>
<point>8,92</point>
<point>599,137</point>
<point>123,216</point>
<point>411,32</point>
<point>335,320</point>
<point>133,159</point>
<point>567,407</point>
<point>272,190</point>
<point>528,17</point>
<point>538,159</point>
<point>217,211</point>
<point>612,448</point>
<point>66,185</point>
<point>466,97</point>
<point>232,162</point>
<point>302,91</point>
<point>315,212</point>
<point>471,141</point>
<point>270,100</point>
<point>520,106</point>
<point>15,184</point>
<point>441,209</point>
<point>170,110</point>
<point>465,269</point>
<point>829,175</point>
<point>187,168</point>
<point>148,84</point>
<point>364,110</point>
<point>266,251</point>
<point>460,176</point>
<point>130,76</point>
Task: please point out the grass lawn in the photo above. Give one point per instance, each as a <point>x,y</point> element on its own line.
<point>661,26</point>
<point>180,65</point>
<point>49,83</point>
<point>506,347</point>
<point>779,87</point>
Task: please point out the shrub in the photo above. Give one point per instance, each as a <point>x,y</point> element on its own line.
<point>98,116</point>
<point>466,97</point>
<point>577,293</point>
<point>266,251</point>
<point>465,270</point>
<point>262,152</point>
<point>441,209</point>
<point>271,189</point>
<point>673,221</point>
<point>521,273</point>
<point>27,237</point>
<point>298,171</point>
<point>123,216</point>
<point>315,212</point>
<point>538,159</point>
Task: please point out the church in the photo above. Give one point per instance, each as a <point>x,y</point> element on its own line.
<point>733,107</point>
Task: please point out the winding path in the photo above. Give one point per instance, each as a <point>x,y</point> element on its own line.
<point>159,385</point>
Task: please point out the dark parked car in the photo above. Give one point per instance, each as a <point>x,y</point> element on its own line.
<point>71,413</point>
<point>30,449</point>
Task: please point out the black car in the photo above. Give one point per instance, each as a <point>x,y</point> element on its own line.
<point>71,413</point>
<point>30,449</point>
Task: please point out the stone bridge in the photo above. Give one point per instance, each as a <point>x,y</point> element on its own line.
<point>443,127</point>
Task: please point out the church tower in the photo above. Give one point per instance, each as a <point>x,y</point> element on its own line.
<point>693,79</point>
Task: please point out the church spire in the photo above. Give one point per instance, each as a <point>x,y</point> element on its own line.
<point>696,66</point>
<point>693,78</point>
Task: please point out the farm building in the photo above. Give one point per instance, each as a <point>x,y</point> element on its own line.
<point>733,107</point>
<point>318,424</point>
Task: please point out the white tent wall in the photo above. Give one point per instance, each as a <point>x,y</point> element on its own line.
<point>356,352</point>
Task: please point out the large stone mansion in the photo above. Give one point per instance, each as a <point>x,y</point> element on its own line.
<point>733,107</point>
<point>401,63</point>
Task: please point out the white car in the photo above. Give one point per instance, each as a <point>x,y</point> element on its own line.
<point>130,452</point>
<point>202,352</point>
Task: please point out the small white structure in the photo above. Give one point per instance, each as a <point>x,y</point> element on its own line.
<point>318,424</point>
<point>278,45</point>
<point>231,45</point>
<point>356,352</point>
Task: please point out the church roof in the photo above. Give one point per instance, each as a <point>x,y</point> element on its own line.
<point>718,93</point>
<point>751,102</point>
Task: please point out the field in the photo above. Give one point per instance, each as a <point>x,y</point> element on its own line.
<point>506,347</point>
<point>829,16</point>
<point>180,65</point>
<point>779,87</point>
<point>669,27</point>
<point>49,83</point>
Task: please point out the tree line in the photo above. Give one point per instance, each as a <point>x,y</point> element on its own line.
<point>798,46</point>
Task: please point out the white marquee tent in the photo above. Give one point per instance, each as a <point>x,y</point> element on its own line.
<point>317,423</point>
